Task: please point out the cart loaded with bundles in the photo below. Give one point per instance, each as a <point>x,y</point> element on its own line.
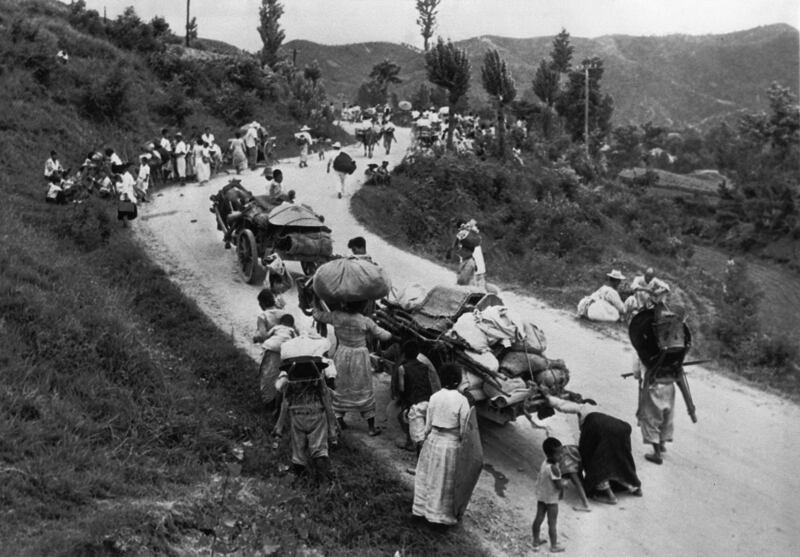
<point>259,228</point>
<point>662,340</point>
<point>503,355</point>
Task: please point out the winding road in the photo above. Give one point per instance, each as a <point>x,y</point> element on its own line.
<point>728,484</point>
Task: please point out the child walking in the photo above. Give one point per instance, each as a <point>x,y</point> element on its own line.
<point>548,492</point>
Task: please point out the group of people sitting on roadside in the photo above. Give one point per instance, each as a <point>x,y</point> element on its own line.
<point>606,304</point>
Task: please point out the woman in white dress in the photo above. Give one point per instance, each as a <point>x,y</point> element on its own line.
<point>445,425</point>
<point>202,162</point>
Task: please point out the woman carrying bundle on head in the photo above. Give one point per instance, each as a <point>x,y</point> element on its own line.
<point>354,392</point>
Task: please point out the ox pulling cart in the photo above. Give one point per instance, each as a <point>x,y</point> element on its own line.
<point>259,227</point>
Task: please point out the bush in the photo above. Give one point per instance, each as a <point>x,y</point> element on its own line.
<point>776,352</point>
<point>88,224</point>
<point>108,99</point>
<point>232,104</point>
<point>737,322</point>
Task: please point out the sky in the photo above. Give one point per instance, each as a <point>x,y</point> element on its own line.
<point>355,21</point>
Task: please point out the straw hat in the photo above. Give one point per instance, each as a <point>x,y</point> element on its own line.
<point>615,274</point>
<point>337,145</point>
<point>305,129</point>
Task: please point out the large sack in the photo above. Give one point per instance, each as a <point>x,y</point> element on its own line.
<point>344,163</point>
<point>499,324</point>
<point>515,364</point>
<point>315,244</point>
<point>484,359</point>
<point>307,345</point>
<point>410,297</point>
<point>533,339</point>
<point>600,310</point>
<point>351,279</point>
<point>467,330</point>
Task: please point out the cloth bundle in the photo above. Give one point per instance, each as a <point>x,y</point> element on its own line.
<point>410,297</point>
<point>351,279</point>
<point>306,243</point>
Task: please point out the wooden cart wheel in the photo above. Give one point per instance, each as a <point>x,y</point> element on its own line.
<point>247,257</point>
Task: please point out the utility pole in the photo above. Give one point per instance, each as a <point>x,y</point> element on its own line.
<point>587,64</point>
<point>188,2</point>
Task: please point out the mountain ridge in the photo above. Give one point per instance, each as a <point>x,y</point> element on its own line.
<point>675,79</point>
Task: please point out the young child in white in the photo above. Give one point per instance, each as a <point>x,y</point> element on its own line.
<point>549,490</point>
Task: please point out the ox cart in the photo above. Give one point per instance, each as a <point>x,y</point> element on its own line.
<point>259,227</point>
<point>501,392</point>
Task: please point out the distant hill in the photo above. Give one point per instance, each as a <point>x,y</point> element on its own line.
<point>674,79</point>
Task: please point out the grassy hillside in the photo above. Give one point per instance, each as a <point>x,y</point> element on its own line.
<point>129,424</point>
<point>674,79</point>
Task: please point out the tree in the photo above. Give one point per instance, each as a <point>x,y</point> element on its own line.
<point>448,67</point>
<point>497,81</point>
<point>160,28</point>
<point>779,130</point>
<point>383,74</point>
<point>546,88</point>
<point>191,31</point>
<point>571,103</point>
<point>271,33</point>
<point>427,10</point>
<point>561,55</point>
<point>312,73</point>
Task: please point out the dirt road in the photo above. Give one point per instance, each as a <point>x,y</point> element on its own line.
<point>727,487</point>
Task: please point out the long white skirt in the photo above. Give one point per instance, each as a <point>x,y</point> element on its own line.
<point>435,478</point>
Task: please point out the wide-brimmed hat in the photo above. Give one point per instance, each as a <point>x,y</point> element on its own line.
<point>615,274</point>
<point>178,134</point>
<point>337,145</point>
<point>305,129</point>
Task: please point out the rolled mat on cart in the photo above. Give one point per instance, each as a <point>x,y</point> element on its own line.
<point>351,279</point>
<point>306,244</point>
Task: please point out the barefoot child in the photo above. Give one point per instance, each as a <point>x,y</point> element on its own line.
<point>548,492</point>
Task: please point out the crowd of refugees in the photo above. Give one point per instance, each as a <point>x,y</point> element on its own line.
<point>433,409</point>
<point>311,396</point>
<point>170,159</point>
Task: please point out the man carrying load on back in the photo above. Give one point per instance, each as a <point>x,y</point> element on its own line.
<point>342,165</point>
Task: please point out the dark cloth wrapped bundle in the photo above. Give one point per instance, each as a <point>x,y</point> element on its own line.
<point>605,447</point>
<point>519,363</point>
<point>317,244</point>
<point>344,163</point>
<point>351,279</point>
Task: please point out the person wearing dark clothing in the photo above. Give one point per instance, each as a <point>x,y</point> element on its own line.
<point>414,388</point>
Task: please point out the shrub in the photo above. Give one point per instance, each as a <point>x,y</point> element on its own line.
<point>778,352</point>
<point>88,224</point>
<point>737,321</point>
<point>232,104</point>
<point>108,99</point>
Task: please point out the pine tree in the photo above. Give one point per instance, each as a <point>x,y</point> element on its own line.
<point>561,55</point>
<point>271,33</point>
<point>449,67</point>
<point>497,81</point>
<point>427,19</point>
<point>384,74</point>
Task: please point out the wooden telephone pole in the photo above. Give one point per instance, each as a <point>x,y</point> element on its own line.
<point>188,2</point>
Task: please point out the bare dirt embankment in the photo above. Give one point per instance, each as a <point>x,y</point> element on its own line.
<point>727,487</point>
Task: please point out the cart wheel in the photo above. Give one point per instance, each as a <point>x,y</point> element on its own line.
<point>309,267</point>
<point>247,257</point>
